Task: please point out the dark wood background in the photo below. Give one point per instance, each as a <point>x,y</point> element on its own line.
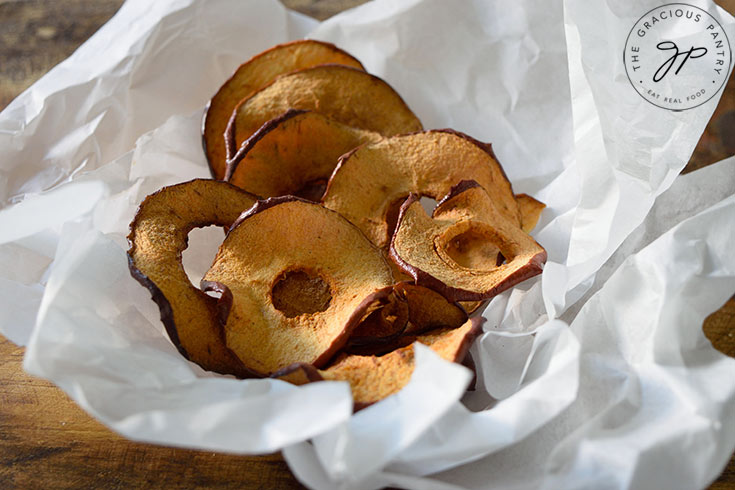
<point>46,441</point>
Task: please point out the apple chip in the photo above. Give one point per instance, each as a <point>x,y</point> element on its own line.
<point>295,279</point>
<point>370,183</point>
<point>373,378</point>
<point>471,306</point>
<point>251,76</point>
<point>530,209</point>
<point>342,93</point>
<point>294,154</point>
<point>158,236</point>
<point>456,251</point>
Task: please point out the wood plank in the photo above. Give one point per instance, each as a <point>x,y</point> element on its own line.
<point>47,441</point>
<point>36,35</point>
<point>718,141</point>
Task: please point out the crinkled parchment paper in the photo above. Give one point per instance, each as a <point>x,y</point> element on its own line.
<point>595,374</point>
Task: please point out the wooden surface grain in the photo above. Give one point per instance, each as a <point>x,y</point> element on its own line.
<point>46,441</point>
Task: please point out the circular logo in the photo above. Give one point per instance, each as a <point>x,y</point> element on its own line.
<point>677,56</point>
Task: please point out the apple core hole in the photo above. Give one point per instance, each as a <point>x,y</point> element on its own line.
<point>299,292</point>
<point>394,209</point>
<point>428,203</point>
<point>199,254</point>
<point>473,249</point>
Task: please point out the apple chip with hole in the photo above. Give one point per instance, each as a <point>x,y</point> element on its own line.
<point>455,251</point>
<point>295,279</point>
<point>294,154</point>
<point>158,236</point>
<point>342,93</point>
<point>530,210</point>
<point>369,184</point>
<point>373,378</point>
<point>253,75</point>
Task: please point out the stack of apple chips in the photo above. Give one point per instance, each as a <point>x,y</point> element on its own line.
<point>331,268</point>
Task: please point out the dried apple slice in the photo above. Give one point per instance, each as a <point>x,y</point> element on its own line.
<point>294,154</point>
<point>471,306</point>
<point>530,209</point>
<point>373,378</point>
<point>342,93</point>
<point>295,278</point>
<point>253,75</point>
<point>158,235</point>
<point>370,183</point>
<point>456,252</point>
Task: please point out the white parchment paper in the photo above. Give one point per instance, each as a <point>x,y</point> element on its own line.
<point>620,398</point>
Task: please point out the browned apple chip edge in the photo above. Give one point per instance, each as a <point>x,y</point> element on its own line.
<point>236,155</point>
<point>301,373</point>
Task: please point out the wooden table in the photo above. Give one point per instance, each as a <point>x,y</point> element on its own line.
<point>46,441</point>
